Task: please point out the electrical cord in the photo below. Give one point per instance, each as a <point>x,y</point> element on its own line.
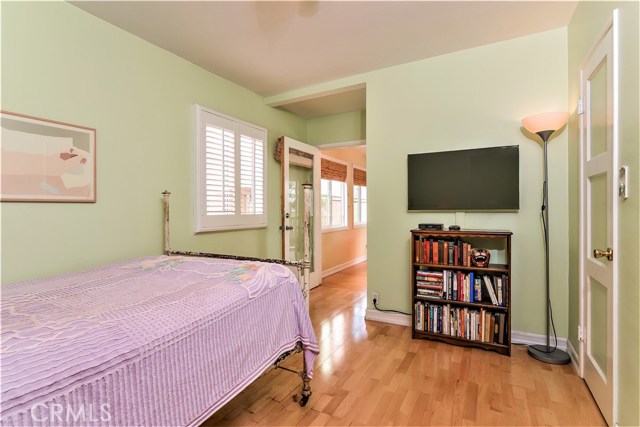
<point>375,304</point>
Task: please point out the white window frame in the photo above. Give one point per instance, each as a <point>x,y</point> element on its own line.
<point>346,200</point>
<point>358,224</point>
<point>234,220</point>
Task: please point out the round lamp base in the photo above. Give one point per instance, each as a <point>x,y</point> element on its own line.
<point>556,357</point>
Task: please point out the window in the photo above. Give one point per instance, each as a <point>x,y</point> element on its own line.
<point>359,196</point>
<point>230,173</point>
<point>333,194</point>
<point>333,200</point>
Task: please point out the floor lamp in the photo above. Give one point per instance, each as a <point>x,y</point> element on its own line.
<point>544,125</point>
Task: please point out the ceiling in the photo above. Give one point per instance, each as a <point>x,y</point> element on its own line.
<point>276,47</point>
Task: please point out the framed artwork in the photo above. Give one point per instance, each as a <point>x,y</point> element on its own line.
<point>46,161</point>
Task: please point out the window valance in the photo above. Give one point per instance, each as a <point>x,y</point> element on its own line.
<point>333,170</point>
<point>359,177</point>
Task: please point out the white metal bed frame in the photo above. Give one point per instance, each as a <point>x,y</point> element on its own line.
<point>303,267</point>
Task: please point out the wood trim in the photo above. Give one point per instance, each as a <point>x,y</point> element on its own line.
<point>575,359</point>
<point>501,234</point>
<point>393,318</point>
<point>340,267</point>
<point>344,144</point>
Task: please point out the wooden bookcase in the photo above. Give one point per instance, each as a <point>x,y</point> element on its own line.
<point>452,314</point>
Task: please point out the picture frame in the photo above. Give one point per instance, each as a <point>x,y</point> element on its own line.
<point>44,160</point>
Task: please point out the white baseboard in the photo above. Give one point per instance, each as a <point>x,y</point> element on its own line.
<point>344,266</point>
<point>393,318</point>
<point>533,339</point>
<point>575,359</point>
<point>516,336</point>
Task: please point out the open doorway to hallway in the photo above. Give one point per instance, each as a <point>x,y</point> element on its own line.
<point>343,198</point>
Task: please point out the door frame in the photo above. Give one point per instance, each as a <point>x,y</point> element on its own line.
<point>612,27</point>
<point>316,276</point>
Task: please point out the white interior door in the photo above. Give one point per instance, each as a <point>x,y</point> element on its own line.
<point>599,213</point>
<point>300,164</point>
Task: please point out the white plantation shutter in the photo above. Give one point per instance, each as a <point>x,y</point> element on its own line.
<point>230,173</point>
<point>220,167</point>
<point>251,175</point>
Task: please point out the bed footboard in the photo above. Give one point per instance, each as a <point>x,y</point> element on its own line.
<point>305,392</point>
<point>303,266</point>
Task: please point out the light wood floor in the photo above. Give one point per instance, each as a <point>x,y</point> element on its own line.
<point>371,373</point>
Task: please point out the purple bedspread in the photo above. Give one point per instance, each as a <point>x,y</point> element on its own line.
<point>158,341</point>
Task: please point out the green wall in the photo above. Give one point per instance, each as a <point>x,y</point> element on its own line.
<point>343,127</point>
<point>469,99</point>
<point>61,63</point>
<point>588,23</point>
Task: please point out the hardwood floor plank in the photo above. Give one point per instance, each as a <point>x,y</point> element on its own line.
<point>372,373</point>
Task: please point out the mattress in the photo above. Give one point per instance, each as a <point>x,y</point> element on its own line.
<point>157,341</point>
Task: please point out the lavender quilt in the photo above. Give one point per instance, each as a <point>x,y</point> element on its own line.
<point>158,341</point>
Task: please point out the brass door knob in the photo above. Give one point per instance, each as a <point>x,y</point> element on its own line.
<point>599,253</point>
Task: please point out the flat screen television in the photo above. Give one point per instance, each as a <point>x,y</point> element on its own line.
<point>483,179</point>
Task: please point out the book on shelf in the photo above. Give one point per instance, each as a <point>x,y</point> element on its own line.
<point>445,251</point>
<point>418,310</point>
<point>505,280</point>
<point>456,252</point>
<point>492,327</point>
<point>499,288</point>
<point>464,254</point>
<point>489,285</point>
<point>501,327</point>
<point>429,285</point>
<point>434,252</point>
<point>426,279</point>
<point>429,273</point>
<point>477,287</point>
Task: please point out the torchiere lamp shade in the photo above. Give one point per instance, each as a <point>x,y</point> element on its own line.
<point>545,121</point>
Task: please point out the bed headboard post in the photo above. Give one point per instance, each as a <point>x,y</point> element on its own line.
<point>307,239</point>
<point>167,246</point>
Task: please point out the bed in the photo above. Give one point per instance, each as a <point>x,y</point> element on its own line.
<point>150,341</point>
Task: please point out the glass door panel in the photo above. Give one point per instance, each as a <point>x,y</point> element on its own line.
<point>298,175</point>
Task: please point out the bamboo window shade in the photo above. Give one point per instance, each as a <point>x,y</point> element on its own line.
<point>359,177</point>
<point>333,170</point>
<point>277,152</point>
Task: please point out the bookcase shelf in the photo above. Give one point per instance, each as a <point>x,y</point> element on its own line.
<point>455,301</point>
<point>485,306</point>
<point>501,348</point>
<point>492,268</point>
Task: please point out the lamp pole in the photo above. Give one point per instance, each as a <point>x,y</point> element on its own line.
<point>545,353</point>
<point>545,213</point>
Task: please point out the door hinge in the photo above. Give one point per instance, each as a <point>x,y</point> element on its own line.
<point>580,337</point>
<point>580,107</point>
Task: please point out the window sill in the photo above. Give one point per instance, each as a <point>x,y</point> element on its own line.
<point>360,225</point>
<point>332,229</point>
<point>203,230</point>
